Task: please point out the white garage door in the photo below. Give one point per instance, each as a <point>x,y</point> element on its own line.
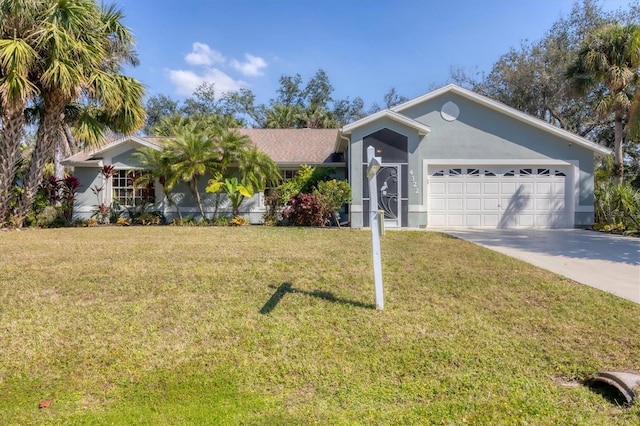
<point>498,197</point>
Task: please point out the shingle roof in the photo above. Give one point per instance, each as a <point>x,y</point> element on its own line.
<point>303,146</point>
<point>284,146</point>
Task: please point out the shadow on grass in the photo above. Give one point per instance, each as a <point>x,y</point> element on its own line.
<point>285,288</point>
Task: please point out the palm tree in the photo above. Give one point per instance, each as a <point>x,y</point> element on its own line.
<point>77,49</point>
<point>158,163</point>
<point>610,57</point>
<point>260,167</point>
<point>16,59</point>
<point>193,154</point>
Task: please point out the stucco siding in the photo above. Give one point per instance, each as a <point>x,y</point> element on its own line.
<point>86,200</point>
<point>485,135</point>
<point>357,158</point>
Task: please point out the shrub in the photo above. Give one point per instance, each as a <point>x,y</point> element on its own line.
<point>334,193</point>
<point>239,221</point>
<point>273,208</point>
<point>123,221</point>
<point>304,182</point>
<point>47,217</point>
<point>306,210</point>
<point>92,222</point>
<point>149,218</point>
<point>221,221</point>
<point>617,206</point>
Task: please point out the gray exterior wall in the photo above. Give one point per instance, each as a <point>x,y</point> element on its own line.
<point>121,157</point>
<point>479,134</point>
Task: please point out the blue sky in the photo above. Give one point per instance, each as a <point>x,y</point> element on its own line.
<point>366,47</point>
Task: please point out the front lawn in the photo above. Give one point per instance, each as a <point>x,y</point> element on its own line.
<point>259,325</point>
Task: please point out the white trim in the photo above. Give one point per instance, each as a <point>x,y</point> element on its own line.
<point>86,163</point>
<point>386,113</point>
<point>481,162</point>
<point>506,110</point>
<point>356,208</point>
<point>125,139</point>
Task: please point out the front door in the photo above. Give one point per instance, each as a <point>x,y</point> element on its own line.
<point>389,196</point>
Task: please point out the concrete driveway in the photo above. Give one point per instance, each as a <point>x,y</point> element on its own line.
<point>604,261</point>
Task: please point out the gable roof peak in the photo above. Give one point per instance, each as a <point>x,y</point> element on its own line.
<point>508,111</point>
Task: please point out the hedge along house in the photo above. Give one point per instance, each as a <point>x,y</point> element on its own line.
<point>453,158</point>
<point>288,148</point>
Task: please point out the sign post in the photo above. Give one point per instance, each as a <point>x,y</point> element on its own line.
<point>374,164</point>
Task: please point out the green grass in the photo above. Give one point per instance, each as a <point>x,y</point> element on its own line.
<point>258,325</point>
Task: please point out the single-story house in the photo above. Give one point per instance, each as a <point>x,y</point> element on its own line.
<point>450,158</point>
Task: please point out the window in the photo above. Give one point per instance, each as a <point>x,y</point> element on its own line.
<point>288,174</point>
<point>128,189</point>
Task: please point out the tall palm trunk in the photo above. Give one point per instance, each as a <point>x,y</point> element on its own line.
<point>47,134</point>
<point>12,126</point>
<point>617,149</point>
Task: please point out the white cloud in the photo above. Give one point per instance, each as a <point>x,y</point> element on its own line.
<point>252,67</point>
<point>187,81</point>
<point>202,54</point>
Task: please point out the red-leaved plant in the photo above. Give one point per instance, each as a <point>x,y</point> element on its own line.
<point>305,210</point>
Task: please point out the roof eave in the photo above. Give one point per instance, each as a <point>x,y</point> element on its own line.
<point>392,115</point>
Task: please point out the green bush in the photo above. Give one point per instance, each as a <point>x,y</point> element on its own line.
<point>617,206</point>
<point>46,217</point>
<point>221,221</point>
<point>304,182</point>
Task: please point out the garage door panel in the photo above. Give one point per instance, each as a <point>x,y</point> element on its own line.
<point>490,188</point>
<point>473,220</point>
<point>455,220</point>
<point>543,188</point>
<point>490,220</point>
<point>454,187</point>
<point>526,188</point>
<point>437,204</point>
<point>473,188</point>
<point>507,187</point>
<point>526,220</point>
<point>499,197</point>
<point>437,188</point>
<point>558,187</point>
<point>491,204</point>
<point>473,204</point>
<point>454,204</point>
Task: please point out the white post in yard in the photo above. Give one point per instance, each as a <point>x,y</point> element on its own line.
<point>374,164</point>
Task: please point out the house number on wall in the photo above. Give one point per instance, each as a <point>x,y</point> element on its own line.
<point>414,184</point>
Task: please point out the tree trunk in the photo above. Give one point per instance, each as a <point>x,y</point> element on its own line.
<point>196,195</point>
<point>47,134</point>
<point>10,135</point>
<point>65,146</point>
<point>617,150</point>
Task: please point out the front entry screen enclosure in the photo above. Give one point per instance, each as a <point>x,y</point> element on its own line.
<point>391,178</point>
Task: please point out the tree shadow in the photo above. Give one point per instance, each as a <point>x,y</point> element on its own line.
<point>286,288</point>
